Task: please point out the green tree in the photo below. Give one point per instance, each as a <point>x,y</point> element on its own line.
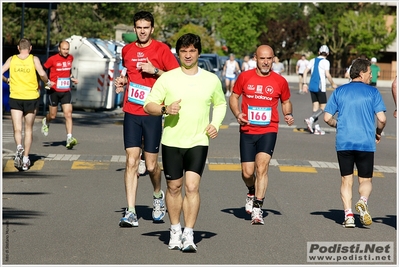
<point>287,30</point>
<point>336,25</point>
<point>207,43</point>
<point>368,32</point>
<point>240,25</point>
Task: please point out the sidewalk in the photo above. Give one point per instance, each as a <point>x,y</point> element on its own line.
<point>339,81</point>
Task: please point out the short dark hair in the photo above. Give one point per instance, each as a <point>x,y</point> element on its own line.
<point>358,66</point>
<point>189,39</point>
<point>145,15</point>
<point>24,44</point>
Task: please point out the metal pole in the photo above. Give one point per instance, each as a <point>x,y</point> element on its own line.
<point>22,20</point>
<point>47,55</point>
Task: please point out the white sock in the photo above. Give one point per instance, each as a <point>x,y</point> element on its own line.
<point>176,227</point>
<point>26,159</point>
<point>188,230</point>
<point>69,136</point>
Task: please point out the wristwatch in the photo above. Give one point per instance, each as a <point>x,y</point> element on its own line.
<point>156,70</point>
<point>163,110</point>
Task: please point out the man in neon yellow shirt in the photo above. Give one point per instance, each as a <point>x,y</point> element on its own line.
<point>184,95</point>
<point>24,97</point>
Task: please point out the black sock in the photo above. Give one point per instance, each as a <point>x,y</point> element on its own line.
<point>258,203</point>
<point>251,190</point>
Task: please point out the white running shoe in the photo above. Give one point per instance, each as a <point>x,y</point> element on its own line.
<point>175,240</point>
<point>188,243</point>
<point>257,216</point>
<point>18,158</point>
<point>25,165</point>
<point>349,222</point>
<point>309,124</point>
<point>44,127</point>
<point>365,217</point>
<point>142,167</point>
<point>319,132</point>
<point>159,209</point>
<point>249,203</point>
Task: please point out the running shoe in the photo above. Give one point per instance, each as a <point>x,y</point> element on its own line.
<point>175,240</point>
<point>249,203</point>
<point>319,132</point>
<point>71,142</point>
<point>257,216</point>
<point>159,210</point>
<point>129,219</point>
<point>44,127</point>
<point>142,167</point>
<point>309,124</point>
<point>188,243</point>
<point>25,165</point>
<point>18,158</point>
<point>349,222</point>
<point>365,217</point>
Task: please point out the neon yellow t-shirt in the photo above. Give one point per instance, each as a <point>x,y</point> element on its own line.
<point>197,93</point>
<point>23,79</point>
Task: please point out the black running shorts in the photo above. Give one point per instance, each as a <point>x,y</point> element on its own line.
<point>364,163</point>
<point>177,160</point>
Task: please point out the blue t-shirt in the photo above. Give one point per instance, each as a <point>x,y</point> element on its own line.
<point>356,104</point>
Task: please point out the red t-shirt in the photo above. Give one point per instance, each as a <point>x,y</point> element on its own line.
<point>260,99</point>
<point>140,83</point>
<point>60,72</point>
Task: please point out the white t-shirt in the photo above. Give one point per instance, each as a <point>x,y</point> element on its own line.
<point>251,64</point>
<point>301,64</point>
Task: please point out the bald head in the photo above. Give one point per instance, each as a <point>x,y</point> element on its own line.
<point>63,48</point>
<point>264,59</point>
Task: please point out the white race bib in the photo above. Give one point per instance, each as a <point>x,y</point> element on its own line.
<point>64,83</point>
<point>259,115</point>
<point>138,93</point>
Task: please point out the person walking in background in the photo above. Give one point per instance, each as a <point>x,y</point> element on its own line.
<point>320,70</point>
<point>186,134</point>
<point>60,66</point>
<point>278,67</point>
<point>231,69</point>
<point>393,87</point>
<point>261,90</point>
<point>375,72</point>
<point>24,98</point>
<point>358,105</point>
<point>300,68</point>
<point>145,60</point>
<point>245,65</point>
<point>252,62</point>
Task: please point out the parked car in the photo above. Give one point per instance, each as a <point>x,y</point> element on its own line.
<point>205,64</point>
<point>217,66</point>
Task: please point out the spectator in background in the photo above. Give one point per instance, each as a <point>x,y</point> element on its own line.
<point>245,64</point>
<point>300,68</point>
<point>252,62</point>
<point>231,69</point>
<point>277,67</point>
<point>375,72</point>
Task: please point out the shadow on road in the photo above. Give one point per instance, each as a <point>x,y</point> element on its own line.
<point>241,213</point>
<point>165,235</point>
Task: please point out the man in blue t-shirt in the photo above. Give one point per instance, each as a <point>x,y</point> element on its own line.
<point>358,105</point>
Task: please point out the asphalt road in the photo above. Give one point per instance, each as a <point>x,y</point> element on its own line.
<point>66,208</point>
